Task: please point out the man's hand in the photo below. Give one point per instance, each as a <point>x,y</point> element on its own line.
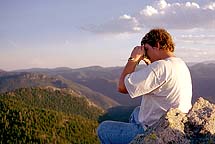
<point>138,53</point>
<point>147,61</point>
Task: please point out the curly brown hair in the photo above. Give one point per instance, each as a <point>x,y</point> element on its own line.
<point>160,36</point>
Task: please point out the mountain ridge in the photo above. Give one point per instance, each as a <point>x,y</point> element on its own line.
<point>104,80</point>
<point>56,99</point>
<point>14,80</point>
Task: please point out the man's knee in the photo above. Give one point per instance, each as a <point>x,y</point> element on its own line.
<point>102,127</point>
<point>102,132</point>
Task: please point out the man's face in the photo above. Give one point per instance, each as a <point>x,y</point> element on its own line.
<point>152,52</point>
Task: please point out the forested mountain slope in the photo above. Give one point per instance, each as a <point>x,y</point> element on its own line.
<point>58,100</point>
<point>23,123</point>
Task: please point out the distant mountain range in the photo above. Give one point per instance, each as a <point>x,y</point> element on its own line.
<point>2,71</point>
<point>99,79</point>
<point>203,80</point>
<point>14,80</point>
<point>100,84</point>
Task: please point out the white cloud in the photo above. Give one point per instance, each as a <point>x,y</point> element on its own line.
<point>192,4</point>
<point>201,40</point>
<point>195,55</point>
<point>176,15</point>
<point>162,4</point>
<point>149,11</point>
<point>210,6</point>
<point>122,24</point>
<point>125,16</point>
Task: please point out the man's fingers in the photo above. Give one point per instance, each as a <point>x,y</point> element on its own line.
<point>141,47</point>
<point>147,61</point>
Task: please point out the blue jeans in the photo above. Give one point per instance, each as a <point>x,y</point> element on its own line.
<point>114,132</point>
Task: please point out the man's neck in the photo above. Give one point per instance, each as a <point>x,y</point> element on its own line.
<point>166,54</point>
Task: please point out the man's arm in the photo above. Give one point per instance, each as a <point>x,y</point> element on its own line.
<point>129,68</point>
<point>137,55</point>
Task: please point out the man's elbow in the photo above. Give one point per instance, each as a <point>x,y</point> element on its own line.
<point>122,90</point>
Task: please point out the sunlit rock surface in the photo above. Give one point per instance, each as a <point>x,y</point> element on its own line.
<point>197,126</point>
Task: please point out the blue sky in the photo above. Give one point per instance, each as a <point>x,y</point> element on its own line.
<point>80,33</point>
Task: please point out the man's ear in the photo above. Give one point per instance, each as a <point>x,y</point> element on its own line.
<point>158,45</point>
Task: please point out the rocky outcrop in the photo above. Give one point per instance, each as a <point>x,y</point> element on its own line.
<point>195,127</point>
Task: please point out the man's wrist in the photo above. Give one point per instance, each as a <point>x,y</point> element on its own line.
<point>131,59</point>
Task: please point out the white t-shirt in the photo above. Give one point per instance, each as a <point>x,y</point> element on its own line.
<point>164,84</point>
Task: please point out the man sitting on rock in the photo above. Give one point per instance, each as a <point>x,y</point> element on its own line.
<point>165,83</point>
